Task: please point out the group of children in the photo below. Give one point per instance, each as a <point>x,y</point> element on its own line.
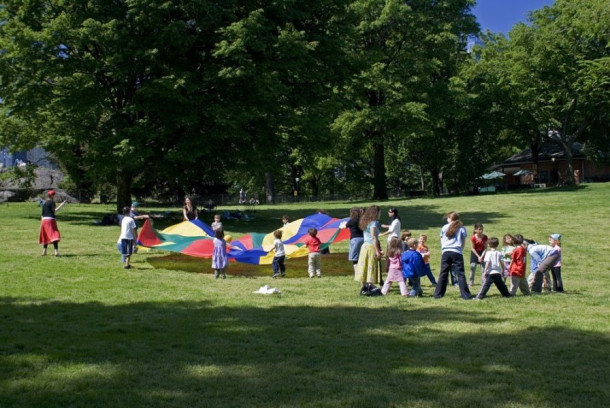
<point>509,263</point>
<point>408,259</point>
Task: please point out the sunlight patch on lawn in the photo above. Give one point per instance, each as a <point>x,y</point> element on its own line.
<point>212,370</point>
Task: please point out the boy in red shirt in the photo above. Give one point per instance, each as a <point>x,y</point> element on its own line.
<point>478,245</point>
<point>314,262</point>
<point>517,267</point>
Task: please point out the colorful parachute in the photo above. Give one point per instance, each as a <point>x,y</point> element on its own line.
<point>194,238</point>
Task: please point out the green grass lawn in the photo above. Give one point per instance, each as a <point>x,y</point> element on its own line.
<point>80,331</point>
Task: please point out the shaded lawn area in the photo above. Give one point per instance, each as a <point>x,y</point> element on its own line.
<point>197,354</point>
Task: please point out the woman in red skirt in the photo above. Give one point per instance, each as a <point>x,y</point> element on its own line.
<point>49,234</point>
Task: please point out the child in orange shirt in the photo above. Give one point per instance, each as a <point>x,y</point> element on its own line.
<point>423,250</point>
<point>314,261</point>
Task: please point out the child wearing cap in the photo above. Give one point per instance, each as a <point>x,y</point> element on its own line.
<point>555,242</point>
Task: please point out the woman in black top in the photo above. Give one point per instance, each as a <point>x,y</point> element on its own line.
<point>189,211</point>
<point>49,234</point>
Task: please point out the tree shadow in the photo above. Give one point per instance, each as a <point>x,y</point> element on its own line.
<point>195,354</point>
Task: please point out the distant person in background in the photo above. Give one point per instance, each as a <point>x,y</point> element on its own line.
<point>49,233</point>
<point>285,220</point>
<point>189,210</point>
<point>242,196</point>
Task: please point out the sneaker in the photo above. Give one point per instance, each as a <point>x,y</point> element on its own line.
<point>311,276</point>
<point>283,275</point>
<point>127,267</point>
<point>276,275</point>
<point>224,276</point>
<point>216,274</point>
<point>319,276</point>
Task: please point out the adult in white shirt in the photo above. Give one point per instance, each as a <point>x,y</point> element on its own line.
<point>394,227</point>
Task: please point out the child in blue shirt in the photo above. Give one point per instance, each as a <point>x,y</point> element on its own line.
<point>413,267</point>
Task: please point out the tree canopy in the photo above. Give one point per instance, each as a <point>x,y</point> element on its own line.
<point>346,95</point>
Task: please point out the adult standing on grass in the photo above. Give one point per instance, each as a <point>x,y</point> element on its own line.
<point>356,235</point>
<point>453,238</point>
<point>394,227</point>
<point>369,261</point>
<point>49,233</point>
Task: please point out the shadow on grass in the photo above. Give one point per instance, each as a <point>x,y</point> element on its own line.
<point>192,354</point>
<point>335,264</point>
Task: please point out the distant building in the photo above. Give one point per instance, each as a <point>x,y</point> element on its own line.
<point>552,167</point>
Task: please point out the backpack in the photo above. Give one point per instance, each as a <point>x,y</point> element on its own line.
<point>370,290</point>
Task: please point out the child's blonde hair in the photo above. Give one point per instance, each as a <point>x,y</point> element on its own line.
<point>412,243</point>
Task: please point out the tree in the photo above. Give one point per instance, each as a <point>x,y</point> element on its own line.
<point>403,51</point>
<point>557,70</point>
<point>113,89</point>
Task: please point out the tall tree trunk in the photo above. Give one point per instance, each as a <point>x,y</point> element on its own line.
<point>535,148</point>
<point>567,151</point>
<point>123,193</point>
<point>269,187</point>
<point>380,190</point>
<point>315,190</point>
<point>437,182</point>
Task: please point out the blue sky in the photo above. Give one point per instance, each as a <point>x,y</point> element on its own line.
<point>499,16</point>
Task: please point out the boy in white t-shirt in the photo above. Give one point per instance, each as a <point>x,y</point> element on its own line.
<point>494,268</point>
<point>128,234</point>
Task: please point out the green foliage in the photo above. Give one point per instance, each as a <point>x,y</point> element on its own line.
<point>199,96</point>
